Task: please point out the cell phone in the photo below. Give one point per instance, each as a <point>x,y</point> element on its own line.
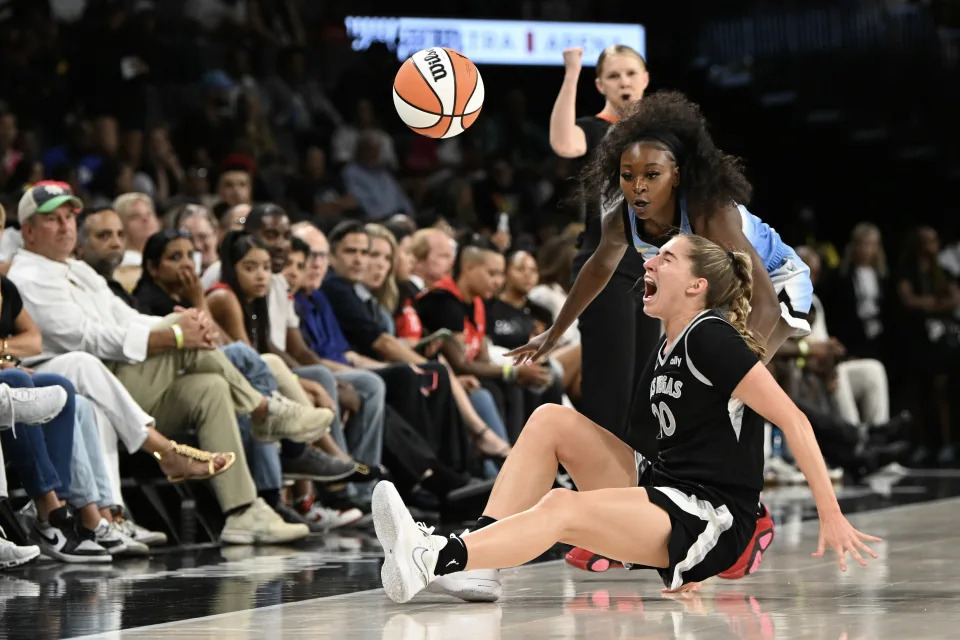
<point>439,334</point>
<point>198,262</point>
<point>503,222</point>
<point>428,380</point>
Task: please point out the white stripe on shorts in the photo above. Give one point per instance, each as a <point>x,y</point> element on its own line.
<point>718,521</point>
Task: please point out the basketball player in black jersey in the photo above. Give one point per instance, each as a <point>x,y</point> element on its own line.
<point>615,334</point>
<point>688,514</point>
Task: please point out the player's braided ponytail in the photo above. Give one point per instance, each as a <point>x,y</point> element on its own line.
<point>729,284</point>
<point>740,304</point>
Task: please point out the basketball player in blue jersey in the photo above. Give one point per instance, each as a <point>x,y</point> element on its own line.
<point>688,514</point>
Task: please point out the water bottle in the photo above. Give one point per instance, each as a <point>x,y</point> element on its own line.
<point>776,439</point>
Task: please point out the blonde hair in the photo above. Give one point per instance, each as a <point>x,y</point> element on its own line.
<point>859,232</point>
<point>729,276</point>
<point>387,293</point>
<point>420,243</point>
<point>3,217</point>
<point>618,50</point>
<point>125,202</point>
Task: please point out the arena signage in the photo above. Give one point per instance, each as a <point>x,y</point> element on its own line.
<point>494,41</point>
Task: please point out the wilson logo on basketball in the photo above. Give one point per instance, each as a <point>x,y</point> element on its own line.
<point>437,69</point>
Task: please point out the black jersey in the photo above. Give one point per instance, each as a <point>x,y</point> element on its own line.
<point>709,442</point>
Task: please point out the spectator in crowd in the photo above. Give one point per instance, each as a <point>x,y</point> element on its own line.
<point>513,318</point>
<point>315,194</point>
<point>202,227</point>
<point>860,296</point>
<point>346,140</point>
<point>456,303</point>
<point>239,303</point>
<point>555,262</point>
<point>858,387</point>
<point>170,368</point>
<point>160,175</point>
<point>297,104</point>
<point>207,135</point>
<point>235,185</point>
<point>930,343</point>
<point>433,253</point>
<point>31,406</point>
<point>140,221</point>
<point>475,403</point>
<point>100,243</point>
<point>375,188</point>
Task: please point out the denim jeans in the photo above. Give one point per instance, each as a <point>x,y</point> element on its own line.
<point>363,439</point>
<point>263,457</point>
<point>486,407</point>
<point>89,478</point>
<point>42,454</point>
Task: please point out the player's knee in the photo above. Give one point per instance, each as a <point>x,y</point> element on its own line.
<point>550,417</point>
<point>557,501</point>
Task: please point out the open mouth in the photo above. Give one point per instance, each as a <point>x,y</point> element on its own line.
<point>639,206</point>
<point>625,97</point>
<point>649,289</point>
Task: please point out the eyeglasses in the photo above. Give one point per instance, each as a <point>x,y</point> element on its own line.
<point>318,255</point>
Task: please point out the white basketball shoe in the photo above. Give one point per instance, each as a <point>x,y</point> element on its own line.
<point>410,550</point>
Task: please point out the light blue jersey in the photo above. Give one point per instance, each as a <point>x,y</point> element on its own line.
<point>789,275</point>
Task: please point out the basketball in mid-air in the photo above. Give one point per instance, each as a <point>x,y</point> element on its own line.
<point>438,92</point>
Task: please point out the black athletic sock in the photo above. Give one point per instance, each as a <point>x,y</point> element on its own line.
<point>271,497</point>
<point>484,521</point>
<point>452,558</point>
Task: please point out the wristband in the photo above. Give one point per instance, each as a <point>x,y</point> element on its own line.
<point>801,363</point>
<point>508,372</point>
<point>803,347</point>
<point>178,334</point>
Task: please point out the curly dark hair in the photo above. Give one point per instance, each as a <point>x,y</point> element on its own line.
<point>710,178</point>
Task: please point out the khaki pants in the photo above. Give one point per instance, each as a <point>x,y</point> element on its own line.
<point>199,388</point>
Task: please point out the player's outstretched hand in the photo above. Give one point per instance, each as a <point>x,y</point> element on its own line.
<point>836,532</point>
<point>538,347</point>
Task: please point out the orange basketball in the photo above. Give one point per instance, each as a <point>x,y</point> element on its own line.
<point>438,92</point>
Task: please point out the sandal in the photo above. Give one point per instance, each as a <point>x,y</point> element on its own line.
<point>191,454</point>
<point>490,444</point>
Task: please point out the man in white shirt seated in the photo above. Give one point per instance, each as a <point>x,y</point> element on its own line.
<point>169,365</point>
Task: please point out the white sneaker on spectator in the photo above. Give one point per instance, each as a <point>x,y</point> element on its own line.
<point>260,524</point>
<point>33,405</point>
<point>289,420</point>
<point>782,472</point>
<point>63,539</point>
<point>135,532</point>
<point>134,547</point>
<point>477,585</point>
<point>109,538</point>
<point>13,555</point>
<point>332,518</point>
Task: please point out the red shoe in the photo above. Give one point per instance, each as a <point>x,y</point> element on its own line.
<point>589,561</point>
<point>759,543</point>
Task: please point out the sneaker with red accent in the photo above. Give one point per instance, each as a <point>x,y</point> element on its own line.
<point>590,561</point>
<point>759,543</point>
